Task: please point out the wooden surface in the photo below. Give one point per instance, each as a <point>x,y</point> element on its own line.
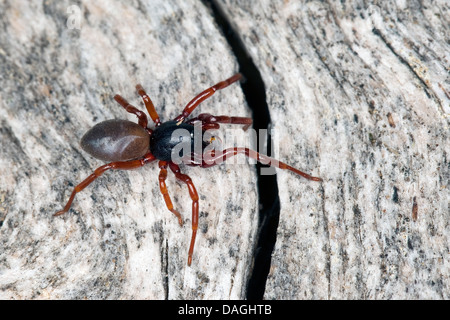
<point>358,94</point>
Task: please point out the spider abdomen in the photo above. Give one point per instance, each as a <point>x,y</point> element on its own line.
<point>116,140</point>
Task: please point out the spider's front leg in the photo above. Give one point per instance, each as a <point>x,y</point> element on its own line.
<point>194,196</point>
<point>202,96</point>
<point>214,158</point>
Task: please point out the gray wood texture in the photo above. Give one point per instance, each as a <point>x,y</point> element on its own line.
<point>358,93</point>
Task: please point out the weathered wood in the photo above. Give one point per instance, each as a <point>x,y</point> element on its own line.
<point>359,95</point>
<point>119,240</point>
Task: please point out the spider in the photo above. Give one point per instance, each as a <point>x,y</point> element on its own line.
<point>127,145</point>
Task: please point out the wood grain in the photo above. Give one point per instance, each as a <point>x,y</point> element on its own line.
<point>337,75</point>
<point>358,94</point>
<point>119,241</point>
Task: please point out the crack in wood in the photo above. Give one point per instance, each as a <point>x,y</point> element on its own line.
<point>269,202</point>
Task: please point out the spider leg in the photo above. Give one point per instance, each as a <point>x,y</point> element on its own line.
<point>194,196</point>
<point>149,105</point>
<point>120,165</point>
<point>142,118</point>
<point>212,122</point>
<point>165,192</point>
<point>215,158</point>
<point>205,95</point>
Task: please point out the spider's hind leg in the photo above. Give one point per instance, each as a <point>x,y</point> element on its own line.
<point>119,165</point>
<point>142,118</point>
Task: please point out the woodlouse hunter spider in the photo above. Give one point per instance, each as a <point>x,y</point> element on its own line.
<point>127,145</point>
